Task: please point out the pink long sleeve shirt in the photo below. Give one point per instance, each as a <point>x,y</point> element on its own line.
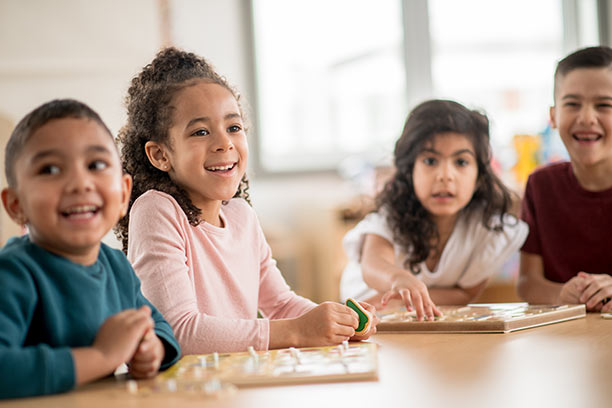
<point>209,282</point>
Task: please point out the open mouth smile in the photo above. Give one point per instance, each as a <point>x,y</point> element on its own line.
<point>80,212</point>
<point>223,168</point>
<point>586,137</point>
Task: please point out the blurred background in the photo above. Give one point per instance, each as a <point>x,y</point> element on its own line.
<point>327,85</point>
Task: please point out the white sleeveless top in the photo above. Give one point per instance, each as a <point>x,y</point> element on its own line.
<point>472,254</point>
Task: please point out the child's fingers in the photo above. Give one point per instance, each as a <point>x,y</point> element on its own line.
<point>406,297</point>
<point>430,307</point>
<point>145,309</point>
<point>417,303</point>
<point>391,294</point>
<point>599,299</point>
<point>146,370</point>
<point>590,291</point>
<point>437,311</point>
<point>607,306</point>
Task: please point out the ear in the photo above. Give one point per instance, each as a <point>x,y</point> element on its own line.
<point>551,114</point>
<point>11,203</point>
<point>157,156</point>
<point>126,190</point>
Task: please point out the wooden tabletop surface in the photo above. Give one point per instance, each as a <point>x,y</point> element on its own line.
<point>567,364</point>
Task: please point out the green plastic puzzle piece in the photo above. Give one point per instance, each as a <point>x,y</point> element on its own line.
<point>363,317</point>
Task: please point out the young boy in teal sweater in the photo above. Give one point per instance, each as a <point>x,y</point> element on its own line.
<point>71,310</point>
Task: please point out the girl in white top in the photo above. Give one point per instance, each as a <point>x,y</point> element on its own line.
<point>442,227</point>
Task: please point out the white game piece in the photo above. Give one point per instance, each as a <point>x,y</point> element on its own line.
<point>216,360</point>
<point>345,345</point>
<point>295,353</point>
<point>202,361</point>
<point>171,385</point>
<point>197,372</point>
<point>212,386</point>
<point>253,353</point>
<point>132,386</point>
<point>606,315</point>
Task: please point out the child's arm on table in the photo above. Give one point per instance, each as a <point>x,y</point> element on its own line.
<point>381,273</point>
<point>116,342</point>
<point>536,289</point>
<point>327,324</point>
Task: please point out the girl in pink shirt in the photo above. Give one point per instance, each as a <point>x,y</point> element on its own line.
<point>194,240</point>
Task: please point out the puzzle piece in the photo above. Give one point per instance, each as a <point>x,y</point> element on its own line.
<point>364,316</point>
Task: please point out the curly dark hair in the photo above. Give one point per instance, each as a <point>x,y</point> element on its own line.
<point>412,226</point>
<point>149,117</point>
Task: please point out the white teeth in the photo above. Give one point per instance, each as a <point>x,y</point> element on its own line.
<point>80,209</point>
<point>220,168</point>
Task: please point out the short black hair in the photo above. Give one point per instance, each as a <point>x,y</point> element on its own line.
<point>55,109</point>
<point>590,57</point>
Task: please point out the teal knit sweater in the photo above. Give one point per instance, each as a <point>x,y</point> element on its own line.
<point>49,305</point>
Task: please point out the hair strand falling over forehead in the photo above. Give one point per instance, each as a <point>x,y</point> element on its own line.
<point>149,114</point>
<point>413,228</point>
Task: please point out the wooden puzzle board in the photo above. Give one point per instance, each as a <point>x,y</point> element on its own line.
<point>345,362</point>
<point>480,318</point>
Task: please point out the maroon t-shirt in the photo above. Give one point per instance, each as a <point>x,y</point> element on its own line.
<point>570,227</point>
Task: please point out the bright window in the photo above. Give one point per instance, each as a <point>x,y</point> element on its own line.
<point>330,79</point>
<point>334,78</point>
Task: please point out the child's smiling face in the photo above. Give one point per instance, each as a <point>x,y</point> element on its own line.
<point>583,115</point>
<point>70,190</point>
<point>445,174</point>
<point>209,152</point>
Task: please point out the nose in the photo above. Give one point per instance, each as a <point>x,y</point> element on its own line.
<point>222,142</point>
<point>587,115</point>
<point>79,180</point>
<point>445,171</point>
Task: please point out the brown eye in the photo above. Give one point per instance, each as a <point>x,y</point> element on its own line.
<point>98,165</point>
<point>49,169</point>
<point>201,132</point>
<point>462,162</point>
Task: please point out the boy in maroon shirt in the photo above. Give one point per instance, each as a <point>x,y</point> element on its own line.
<point>567,257</point>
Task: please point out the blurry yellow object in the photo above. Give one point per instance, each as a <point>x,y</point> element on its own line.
<point>526,148</point>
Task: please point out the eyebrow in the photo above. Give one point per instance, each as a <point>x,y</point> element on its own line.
<point>575,96</point>
<point>58,152</point>
<point>206,119</point>
<point>457,153</point>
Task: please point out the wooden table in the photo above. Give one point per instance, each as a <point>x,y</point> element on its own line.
<point>566,364</point>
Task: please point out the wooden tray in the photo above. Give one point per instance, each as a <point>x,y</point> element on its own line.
<point>480,318</point>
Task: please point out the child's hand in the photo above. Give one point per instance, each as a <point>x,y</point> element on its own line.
<point>148,357</point>
<point>572,290</point>
<point>119,335</point>
<point>597,291</point>
<point>373,322</point>
<point>327,324</point>
<point>413,293</point>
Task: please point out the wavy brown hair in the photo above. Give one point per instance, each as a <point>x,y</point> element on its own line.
<point>149,117</point>
<point>412,226</point>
